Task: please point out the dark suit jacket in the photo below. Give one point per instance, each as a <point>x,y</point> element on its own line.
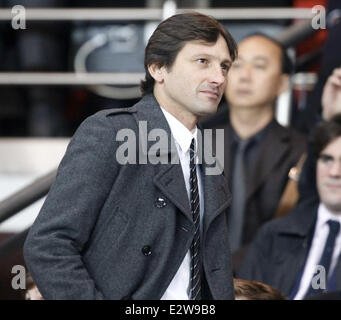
<point>111,231</point>
<point>280,150</point>
<point>279,251</point>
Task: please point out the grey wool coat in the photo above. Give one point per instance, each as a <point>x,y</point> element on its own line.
<point>114,231</point>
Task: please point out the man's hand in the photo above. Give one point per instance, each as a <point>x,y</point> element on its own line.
<point>331,97</point>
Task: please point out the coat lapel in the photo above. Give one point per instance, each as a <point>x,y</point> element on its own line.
<point>292,265</point>
<point>266,162</point>
<point>168,177</point>
<point>297,231</point>
<point>217,196</point>
<point>170,181</point>
<point>228,157</point>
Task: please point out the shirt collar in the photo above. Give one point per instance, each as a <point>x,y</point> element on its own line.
<point>180,132</point>
<point>256,138</point>
<point>323,215</point>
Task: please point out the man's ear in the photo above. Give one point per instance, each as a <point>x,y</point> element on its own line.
<point>284,83</point>
<point>156,72</point>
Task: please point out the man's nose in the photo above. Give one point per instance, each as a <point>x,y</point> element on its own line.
<point>217,76</point>
<point>245,73</point>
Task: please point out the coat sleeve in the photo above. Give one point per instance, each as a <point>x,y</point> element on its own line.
<point>85,176</point>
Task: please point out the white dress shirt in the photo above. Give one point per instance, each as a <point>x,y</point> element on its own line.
<point>180,285</point>
<point>316,249</point>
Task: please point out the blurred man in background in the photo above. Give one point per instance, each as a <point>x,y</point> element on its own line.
<point>259,152</point>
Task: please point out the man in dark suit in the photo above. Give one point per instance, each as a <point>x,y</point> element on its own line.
<point>300,253</point>
<point>123,220</point>
<point>259,152</point>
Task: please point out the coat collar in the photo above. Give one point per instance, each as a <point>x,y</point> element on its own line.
<point>264,165</point>
<point>301,221</point>
<point>182,135</point>
<point>279,148</point>
<point>297,229</point>
<point>169,177</point>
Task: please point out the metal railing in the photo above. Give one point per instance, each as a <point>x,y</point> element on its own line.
<point>69,78</point>
<point>13,244</point>
<point>26,196</point>
<point>18,201</point>
<point>296,33</point>
<point>150,14</point>
<point>289,37</point>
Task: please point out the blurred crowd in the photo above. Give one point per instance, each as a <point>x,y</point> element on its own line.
<point>285,216</point>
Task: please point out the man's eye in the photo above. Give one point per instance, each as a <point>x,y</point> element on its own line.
<point>225,67</point>
<point>202,60</point>
<point>260,67</point>
<point>325,159</point>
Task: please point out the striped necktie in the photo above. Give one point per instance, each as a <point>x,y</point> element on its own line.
<point>195,281</point>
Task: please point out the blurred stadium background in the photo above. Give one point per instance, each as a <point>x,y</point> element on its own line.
<point>46,90</point>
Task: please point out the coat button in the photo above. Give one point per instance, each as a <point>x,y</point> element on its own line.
<point>160,202</point>
<point>147,250</point>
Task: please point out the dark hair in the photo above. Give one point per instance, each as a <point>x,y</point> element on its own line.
<point>325,133</point>
<point>171,36</point>
<point>287,63</point>
<point>254,290</point>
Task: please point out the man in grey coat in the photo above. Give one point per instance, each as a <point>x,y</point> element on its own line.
<point>123,220</point>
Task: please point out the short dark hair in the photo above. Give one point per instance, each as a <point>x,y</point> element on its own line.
<point>171,36</point>
<point>325,133</point>
<point>254,290</point>
<point>286,62</point>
